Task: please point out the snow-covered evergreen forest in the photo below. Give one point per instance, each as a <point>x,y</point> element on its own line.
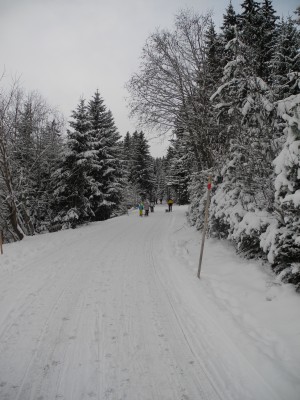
<point>229,95</point>
<point>57,174</point>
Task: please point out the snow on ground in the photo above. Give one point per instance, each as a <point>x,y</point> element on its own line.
<point>114,311</point>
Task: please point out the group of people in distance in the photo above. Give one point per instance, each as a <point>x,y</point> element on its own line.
<point>146,205</point>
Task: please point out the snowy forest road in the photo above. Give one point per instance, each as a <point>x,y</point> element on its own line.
<point>108,311</point>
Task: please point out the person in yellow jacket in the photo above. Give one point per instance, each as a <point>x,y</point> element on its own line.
<point>170,204</point>
<point>141,208</point>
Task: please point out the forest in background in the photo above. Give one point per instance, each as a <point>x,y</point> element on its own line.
<point>230,97</point>
<point>54,176</point>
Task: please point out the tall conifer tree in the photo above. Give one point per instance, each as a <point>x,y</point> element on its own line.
<point>71,204</point>
<point>267,40</point>
<point>142,173</point>
<point>229,23</point>
<point>285,63</point>
<point>105,192</point>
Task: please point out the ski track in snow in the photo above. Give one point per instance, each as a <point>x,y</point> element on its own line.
<point>112,311</point>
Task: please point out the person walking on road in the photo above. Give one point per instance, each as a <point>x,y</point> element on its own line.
<point>141,207</point>
<point>152,206</point>
<point>170,204</point>
<point>146,206</point>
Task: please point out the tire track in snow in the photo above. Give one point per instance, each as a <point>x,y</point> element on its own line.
<point>206,387</point>
<point>79,276</point>
<point>224,364</point>
<point>25,305</point>
<point>40,338</point>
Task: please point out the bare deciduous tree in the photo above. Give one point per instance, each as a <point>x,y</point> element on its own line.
<point>29,149</point>
<point>8,201</point>
<point>171,87</point>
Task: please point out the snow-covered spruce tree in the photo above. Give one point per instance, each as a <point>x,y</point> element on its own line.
<point>286,60</point>
<point>229,24</point>
<point>133,167</point>
<point>282,239</point>
<point>257,26</point>
<point>224,127</point>
<point>214,138</point>
<point>37,145</point>
<point>160,188</point>
<point>226,210</point>
<point>169,191</point>
<point>129,192</point>
<point>179,168</point>
<point>50,149</point>
<point>297,12</point>
<point>231,170</point>
<point>106,190</point>
<point>228,33</point>
<point>241,204</point>
<point>249,26</point>
<point>142,172</point>
<point>127,151</point>
<point>71,205</point>
<point>214,60</point>
<point>267,39</point>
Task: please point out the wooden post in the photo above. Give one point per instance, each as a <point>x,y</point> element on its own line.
<point>205,224</point>
<point>1,242</point>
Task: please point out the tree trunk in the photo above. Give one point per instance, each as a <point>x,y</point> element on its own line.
<point>13,217</point>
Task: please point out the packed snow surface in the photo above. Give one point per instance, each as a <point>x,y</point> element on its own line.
<point>114,311</point>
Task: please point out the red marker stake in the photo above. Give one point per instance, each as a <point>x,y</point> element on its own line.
<point>205,224</point>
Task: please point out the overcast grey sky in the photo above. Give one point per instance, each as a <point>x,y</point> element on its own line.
<point>68,48</point>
